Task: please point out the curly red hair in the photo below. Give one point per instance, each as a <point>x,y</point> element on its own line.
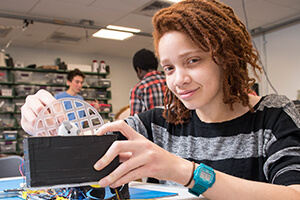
<point>214,28</point>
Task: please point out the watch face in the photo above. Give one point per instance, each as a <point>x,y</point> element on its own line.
<point>205,176</point>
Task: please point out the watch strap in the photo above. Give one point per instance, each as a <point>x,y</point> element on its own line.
<point>201,186</point>
<point>197,190</point>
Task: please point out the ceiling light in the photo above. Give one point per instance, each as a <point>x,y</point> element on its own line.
<point>122,28</point>
<point>114,35</point>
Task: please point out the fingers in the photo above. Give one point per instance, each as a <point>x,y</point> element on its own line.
<point>32,107</point>
<point>121,126</point>
<point>131,170</point>
<point>117,148</point>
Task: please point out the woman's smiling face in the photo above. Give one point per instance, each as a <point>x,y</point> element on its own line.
<point>191,73</point>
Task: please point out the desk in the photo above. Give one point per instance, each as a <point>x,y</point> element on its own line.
<point>183,193</point>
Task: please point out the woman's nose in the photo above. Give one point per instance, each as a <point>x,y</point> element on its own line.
<point>181,77</point>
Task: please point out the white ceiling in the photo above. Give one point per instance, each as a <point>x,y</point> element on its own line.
<point>100,13</point>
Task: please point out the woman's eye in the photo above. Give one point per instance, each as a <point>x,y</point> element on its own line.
<point>192,60</point>
<point>167,68</point>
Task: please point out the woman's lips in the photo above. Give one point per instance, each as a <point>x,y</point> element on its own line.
<point>187,94</point>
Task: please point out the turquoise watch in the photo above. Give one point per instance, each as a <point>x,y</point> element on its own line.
<point>204,177</point>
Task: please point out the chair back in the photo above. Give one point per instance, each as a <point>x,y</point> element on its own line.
<point>9,166</point>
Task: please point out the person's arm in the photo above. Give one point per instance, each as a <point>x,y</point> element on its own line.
<point>236,189</point>
<point>96,105</point>
<point>142,158</point>
<point>136,103</point>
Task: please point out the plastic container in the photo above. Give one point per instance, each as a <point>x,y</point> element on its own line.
<point>9,135</point>
<point>105,107</point>
<point>7,122</point>
<point>40,78</point>
<point>104,83</point>
<point>102,67</point>
<point>98,82</point>
<point>8,146</point>
<point>18,106</point>
<point>7,107</point>
<point>39,87</point>
<point>22,76</point>
<point>6,91</point>
<point>101,94</point>
<point>89,93</point>
<point>56,90</point>
<point>57,78</point>
<point>3,76</point>
<point>95,66</point>
<point>24,90</point>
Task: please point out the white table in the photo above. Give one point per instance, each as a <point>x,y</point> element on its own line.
<point>183,193</point>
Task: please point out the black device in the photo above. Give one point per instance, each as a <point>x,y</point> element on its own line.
<point>63,160</point>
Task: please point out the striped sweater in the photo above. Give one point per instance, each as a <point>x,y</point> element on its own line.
<point>262,146</point>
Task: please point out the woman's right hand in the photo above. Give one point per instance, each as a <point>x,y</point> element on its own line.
<point>33,105</point>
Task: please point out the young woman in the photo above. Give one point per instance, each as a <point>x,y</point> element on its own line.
<point>245,146</point>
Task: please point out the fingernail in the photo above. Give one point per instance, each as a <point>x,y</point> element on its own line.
<point>102,182</point>
<point>97,165</point>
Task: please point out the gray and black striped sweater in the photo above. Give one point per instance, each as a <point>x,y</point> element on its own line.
<point>261,146</point>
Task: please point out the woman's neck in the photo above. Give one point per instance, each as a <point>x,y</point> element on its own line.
<point>222,112</point>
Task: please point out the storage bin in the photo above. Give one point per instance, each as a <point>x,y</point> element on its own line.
<point>18,107</point>
<point>24,90</point>
<point>18,119</point>
<point>105,107</point>
<point>101,94</point>
<point>6,91</point>
<point>97,82</point>
<point>3,76</point>
<point>9,135</point>
<point>39,87</point>
<point>39,78</point>
<point>89,93</point>
<point>22,133</point>
<point>7,122</point>
<point>56,90</point>
<point>7,107</point>
<point>8,146</point>
<point>56,78</point>
<point>22,76</point>
<point>104,83</point>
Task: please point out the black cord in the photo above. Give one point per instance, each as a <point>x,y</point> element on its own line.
<point>265,52</point>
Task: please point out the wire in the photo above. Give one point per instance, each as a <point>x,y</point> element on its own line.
<point>21,169</point>
<point>265,52</point>
<point>117,194</point>
<point>25,25</point>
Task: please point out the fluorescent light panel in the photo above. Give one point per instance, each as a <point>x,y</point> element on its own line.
<point>122,28</point>
<point>112,34</point>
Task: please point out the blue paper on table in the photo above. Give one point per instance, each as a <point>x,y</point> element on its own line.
<point>138,193</point>
<point>135,193</point>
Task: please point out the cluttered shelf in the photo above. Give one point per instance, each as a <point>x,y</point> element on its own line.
<point>19,82</point>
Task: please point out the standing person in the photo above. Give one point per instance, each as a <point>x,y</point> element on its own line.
<point>149,92</point>
<point>75,79</point>
<point>212,136</point>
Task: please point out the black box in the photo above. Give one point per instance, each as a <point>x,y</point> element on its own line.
<point>65,160</point>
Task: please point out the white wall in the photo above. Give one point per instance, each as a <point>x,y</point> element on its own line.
<point>281,58</point>
<point>122,74</point>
